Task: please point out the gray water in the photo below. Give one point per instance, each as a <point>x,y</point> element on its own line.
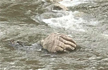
<point>32,20</point>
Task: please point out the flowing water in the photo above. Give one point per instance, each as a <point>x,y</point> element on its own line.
<point>86,22</point>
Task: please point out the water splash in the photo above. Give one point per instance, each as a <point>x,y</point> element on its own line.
<point>71,20</point>
<point>69,3</point>
<point>67,21</point>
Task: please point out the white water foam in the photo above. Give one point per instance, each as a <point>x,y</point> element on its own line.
<point>70,20</point>
<point>1,33</point>
<point>69,3</point>
<point>105,35</point>
<point>67,22</point>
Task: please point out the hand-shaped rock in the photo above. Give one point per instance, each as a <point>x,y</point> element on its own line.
<point>56,42</point>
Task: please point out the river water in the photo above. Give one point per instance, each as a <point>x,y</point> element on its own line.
<point>86,22</point>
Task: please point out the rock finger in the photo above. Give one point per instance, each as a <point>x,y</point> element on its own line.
<point>67,38</point>
<point>67,42</point>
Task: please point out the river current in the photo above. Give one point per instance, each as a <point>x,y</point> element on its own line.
<point>29,21</point>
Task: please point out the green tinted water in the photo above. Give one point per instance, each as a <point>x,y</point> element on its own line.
<point>18,22</point>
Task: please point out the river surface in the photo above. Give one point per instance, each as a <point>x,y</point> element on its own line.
<point>86,22</point>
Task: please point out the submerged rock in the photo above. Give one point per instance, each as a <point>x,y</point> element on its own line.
<point>57,5</point>
<point>56,42</point>
<point>18,45</point>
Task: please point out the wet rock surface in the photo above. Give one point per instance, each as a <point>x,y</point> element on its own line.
<point>56,42</point>
<point>58,6</point>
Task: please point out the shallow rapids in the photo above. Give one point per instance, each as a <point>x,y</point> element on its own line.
<point>30,21</point>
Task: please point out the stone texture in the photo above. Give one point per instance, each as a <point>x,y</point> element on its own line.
<point>57,5</point>
<point>60,7</point>
<point>56,42</point>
